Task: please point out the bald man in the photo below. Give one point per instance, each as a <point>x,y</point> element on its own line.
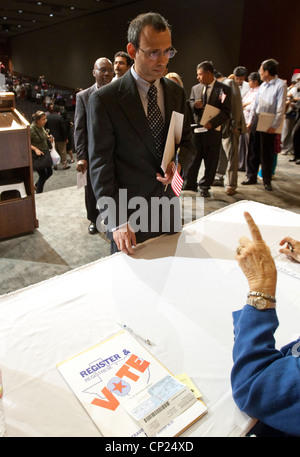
<point>103,73</point>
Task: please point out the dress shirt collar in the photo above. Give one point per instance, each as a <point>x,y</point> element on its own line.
<point>143,87</point>
<point>142,84</point>
<point>210,85</point>
<point>271,82</point>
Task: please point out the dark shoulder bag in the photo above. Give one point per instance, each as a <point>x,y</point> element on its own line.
<point>42,161</point>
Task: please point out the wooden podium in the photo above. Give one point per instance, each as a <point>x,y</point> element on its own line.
<point>17,203</point>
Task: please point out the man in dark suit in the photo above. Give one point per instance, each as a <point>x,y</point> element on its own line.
<point>103,74</point>
<point>208,91</point>
<point>125,161</point>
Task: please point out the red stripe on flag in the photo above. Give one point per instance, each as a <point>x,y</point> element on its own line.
<point>177,183</point>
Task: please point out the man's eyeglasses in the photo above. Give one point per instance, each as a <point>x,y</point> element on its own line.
<point>153,55</point>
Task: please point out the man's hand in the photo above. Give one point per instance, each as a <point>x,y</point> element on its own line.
<point>168,176</point>
<point>208,126</point>
<point>198,104</point>
<point>81,166</point>
<point>256,262</point>
<point>125,239</point>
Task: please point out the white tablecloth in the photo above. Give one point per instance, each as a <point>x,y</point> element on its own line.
<point>179,291</point>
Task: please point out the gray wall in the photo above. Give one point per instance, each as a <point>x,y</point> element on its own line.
<point>65,53</point>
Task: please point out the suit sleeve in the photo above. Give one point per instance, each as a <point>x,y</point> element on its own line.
<point>236,106</point>
<point>197,112</point>
<point>265,381</point>
<point>80,129</point>
<point>101,162</point>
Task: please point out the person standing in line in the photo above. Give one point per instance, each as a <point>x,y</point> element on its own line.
<point>58,129</point>
<point>290,116</point>
<point>239,76</point>
<point>232,129</point>
<point>270,98</point>
<point>247,101</point>
<point>103,74</point>
<point>127,135</point>
<point>208,142</point>
<point>122,63</point>
<point>39,144</point>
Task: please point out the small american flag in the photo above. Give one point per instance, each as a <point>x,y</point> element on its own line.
<point>177,180</point>
<point>222,96</point>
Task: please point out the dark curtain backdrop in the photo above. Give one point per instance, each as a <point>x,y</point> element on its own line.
<point>65,53</point>
<point>230,33</point>
<point>270,31</point>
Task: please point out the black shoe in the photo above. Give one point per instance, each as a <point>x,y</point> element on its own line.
<point>204,193</point>
<point>268,187</point>
<point>66,167</point>
<point>292,160</point>
<point>298,162</point>
<point>218,182</point>
<point>92,228</point>
<point>190,188</point>
<point>248,182</point>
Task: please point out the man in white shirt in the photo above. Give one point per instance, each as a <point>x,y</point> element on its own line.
<point>122,63</point>
<point>270,98</point>
<point>240,74</point>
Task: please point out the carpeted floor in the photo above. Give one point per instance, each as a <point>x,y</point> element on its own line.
<point>62,243</point>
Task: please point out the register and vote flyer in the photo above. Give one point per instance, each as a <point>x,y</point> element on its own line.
<point>127,392</point>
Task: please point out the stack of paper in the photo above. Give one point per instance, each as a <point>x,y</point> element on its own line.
<point>127,392</point>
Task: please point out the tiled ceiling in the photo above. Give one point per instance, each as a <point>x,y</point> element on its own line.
<point>22,16</point>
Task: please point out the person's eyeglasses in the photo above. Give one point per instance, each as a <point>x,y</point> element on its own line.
<point>153,55</point>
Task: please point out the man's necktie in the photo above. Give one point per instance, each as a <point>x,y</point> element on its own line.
<point>205,96</point>
<point>155,120</point>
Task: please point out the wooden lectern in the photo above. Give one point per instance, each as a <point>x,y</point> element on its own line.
<point>17,203</point>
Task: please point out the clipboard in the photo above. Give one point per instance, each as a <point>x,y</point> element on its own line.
<point>265,121</point>
<point>209,113</point>
<point>173,138</point>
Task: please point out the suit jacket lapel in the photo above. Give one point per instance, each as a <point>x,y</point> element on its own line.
<point>130,102</point>
<point>214,95</point>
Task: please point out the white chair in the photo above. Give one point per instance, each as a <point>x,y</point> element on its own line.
<point>19,186</point>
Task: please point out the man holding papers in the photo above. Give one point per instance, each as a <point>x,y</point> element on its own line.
<point>130,122</point>
<point>210,103</point>
<point>266,117</point>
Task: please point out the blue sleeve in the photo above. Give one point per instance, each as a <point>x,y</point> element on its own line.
<point>265,381</point>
